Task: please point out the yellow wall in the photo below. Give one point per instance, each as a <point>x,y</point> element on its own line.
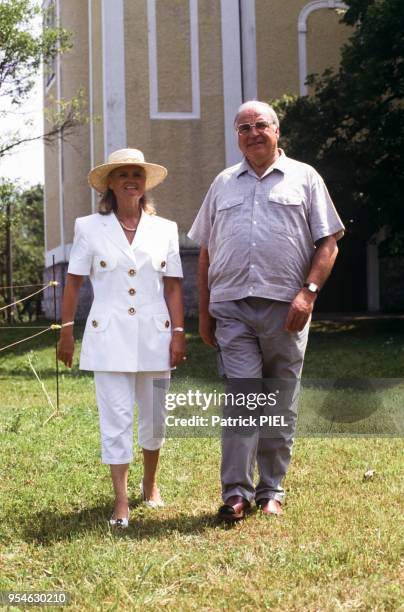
<point>76,149</point>
<point>277,44</point>
<point>174,55</point>
<point>192,149</point>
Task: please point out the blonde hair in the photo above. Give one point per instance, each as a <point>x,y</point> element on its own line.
<point>108,203</point>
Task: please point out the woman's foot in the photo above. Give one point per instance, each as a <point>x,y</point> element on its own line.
<point>150,494</point>
<point>120,515</point>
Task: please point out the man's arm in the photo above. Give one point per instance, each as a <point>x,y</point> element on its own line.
<point>207,324</point>
<point>323,262</point>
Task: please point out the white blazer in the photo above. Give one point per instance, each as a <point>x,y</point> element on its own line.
<point>128,328</point>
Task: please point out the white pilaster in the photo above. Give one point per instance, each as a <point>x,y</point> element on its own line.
<point>113,72</point>
<point>232,83</point>
<point>91,95</point>
<point>60,150</point>
<point>249,49</point>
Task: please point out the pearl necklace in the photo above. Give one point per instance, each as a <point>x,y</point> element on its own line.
<point>128,229</point>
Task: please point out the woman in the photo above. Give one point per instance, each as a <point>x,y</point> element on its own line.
<point>135,329</point>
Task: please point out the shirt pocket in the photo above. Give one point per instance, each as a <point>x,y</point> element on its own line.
<point>103,264</point>
<point>286,213</point>
<point>162,323</point>
<point>229,217</point>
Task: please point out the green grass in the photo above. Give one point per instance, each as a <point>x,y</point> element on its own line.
<point>337,547</point>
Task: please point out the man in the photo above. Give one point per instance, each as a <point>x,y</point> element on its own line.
<point>267,232</point>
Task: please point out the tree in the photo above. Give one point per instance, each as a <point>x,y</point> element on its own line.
<point>22,50</point>
<point>352,126</point>
<point>21,222</point>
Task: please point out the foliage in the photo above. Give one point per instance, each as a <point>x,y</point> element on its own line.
<point>22,51</point>
<point>352,126</point>
<point>26,226</point>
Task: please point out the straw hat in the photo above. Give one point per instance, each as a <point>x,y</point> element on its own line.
<point>97,177</point>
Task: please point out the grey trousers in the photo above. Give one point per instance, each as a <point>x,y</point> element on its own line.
<point>252,344</point>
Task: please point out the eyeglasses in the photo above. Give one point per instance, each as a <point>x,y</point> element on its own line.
<point>244,128</point>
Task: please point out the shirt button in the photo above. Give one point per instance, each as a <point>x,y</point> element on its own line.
<point>167,323</point>
<point>103,263</point>
<point>131,310</point>
<point>132,272</point>
<point>252,266</point>
<point>132,291</point>
<point>163,264</point>
<point>255,223</point>
<point>253,244</point>
<point>94,323</point>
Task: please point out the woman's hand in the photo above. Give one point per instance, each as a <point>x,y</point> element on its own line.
<point>177,349</point>
<point>66,348</point>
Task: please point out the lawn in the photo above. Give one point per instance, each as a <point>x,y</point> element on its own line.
<point>338,545</point>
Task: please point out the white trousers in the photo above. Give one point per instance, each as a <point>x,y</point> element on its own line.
<point>117,393</point>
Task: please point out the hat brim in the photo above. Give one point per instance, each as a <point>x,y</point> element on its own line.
<point>98,176</point>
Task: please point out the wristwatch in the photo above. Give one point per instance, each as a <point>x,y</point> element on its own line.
<point>312,287</point>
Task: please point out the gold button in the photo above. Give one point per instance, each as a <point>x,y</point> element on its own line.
<point>132,291</point>
<point>103,263</point>
<point>163,264</point>
<point>94,323</point>
<point>167,323</point>
<point>132,272</point>
<point>131,311</point>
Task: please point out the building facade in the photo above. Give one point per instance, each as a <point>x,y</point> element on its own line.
<point>166,77</point>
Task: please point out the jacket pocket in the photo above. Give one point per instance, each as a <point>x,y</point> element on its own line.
<point>159,262</point>
<point>103,264</point>
<point>162,322</point>
<point>97,323</point>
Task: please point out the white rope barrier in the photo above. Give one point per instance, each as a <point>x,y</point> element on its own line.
<point>55,412</point>
<point>50,284</point>
<point>16,328</point>
<point>52,327</point>
<point>3,348</point>
<point>23,286</point>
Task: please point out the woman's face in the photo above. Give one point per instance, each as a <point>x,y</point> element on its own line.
<point>127,181</point>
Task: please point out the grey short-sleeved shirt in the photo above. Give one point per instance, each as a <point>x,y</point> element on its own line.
<point>261,231</point>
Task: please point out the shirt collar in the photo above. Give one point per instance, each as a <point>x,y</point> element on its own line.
<point>279,164</point>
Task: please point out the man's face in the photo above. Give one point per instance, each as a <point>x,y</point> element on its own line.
<point>258,146</point>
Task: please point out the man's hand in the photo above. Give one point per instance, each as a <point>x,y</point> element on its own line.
<point>300,310</point>
<point>66,348</point>
<point>207,326</point>
<point>177,349</point>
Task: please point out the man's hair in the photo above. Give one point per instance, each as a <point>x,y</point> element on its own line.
<point>263,107</point>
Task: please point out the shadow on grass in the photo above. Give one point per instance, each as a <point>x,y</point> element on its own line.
<point>48,527</point>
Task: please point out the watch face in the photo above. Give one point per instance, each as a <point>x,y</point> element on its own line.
<point>312,287</point>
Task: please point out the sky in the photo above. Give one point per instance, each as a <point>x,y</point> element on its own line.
<point>27,162</point>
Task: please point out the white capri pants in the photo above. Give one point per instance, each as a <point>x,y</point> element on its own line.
<point>117,393</point>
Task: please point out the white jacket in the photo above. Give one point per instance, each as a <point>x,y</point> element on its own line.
<point>128,328</point>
